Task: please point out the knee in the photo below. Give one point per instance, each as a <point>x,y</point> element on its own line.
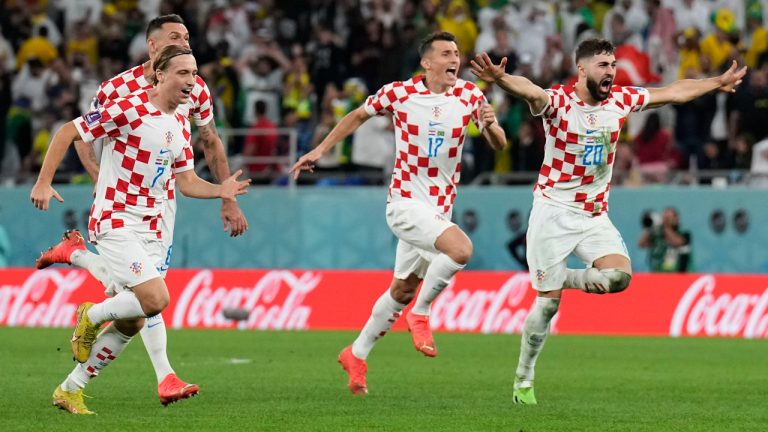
<point>154,304</point>
<point>618,280</point>
<point>462,252</point>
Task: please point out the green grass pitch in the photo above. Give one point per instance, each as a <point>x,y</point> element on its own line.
<point>290,381</point>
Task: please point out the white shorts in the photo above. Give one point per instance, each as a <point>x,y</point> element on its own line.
<point>555,232</point>
<point>131,259</point>
<point>417,227</point>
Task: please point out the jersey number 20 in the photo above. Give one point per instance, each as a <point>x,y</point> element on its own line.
<point>593,155</point>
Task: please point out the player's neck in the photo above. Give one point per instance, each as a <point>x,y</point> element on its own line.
<point>162,102</point>
<point>148,71</point>
<point>583,93</point>
<point>434,85</point>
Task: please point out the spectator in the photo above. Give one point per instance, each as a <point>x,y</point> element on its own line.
<point>669,247</point>
<point>262,141</point>
<point>759,166</point>
<point>38,47</point>
<point>653,149</point>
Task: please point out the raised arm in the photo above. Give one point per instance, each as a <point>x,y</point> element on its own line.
<point>686,90</point>
<point>213,148</point>
<point>42,191</point>
<point>519,86</point>
<point>343,129</point>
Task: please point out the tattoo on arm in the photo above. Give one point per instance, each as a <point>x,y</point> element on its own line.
<point>214,152</point>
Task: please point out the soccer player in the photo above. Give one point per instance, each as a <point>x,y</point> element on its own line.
<point>149,148</point>
<point>570,203</point>
<point>162,31</point>
<point>430,113</point>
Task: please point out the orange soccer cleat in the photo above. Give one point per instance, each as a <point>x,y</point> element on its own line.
<point>421,333</point>
<point>172,389</point>
<point>356,369</point>
<point>71,241</point>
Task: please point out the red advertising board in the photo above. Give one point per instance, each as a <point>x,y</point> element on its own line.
<point>475,301</point>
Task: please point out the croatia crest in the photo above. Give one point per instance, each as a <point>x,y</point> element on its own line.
<point>168,138</point>
<point>436,112</point>
<point>592,119</point>
<point>540,275</point>
<point>136,268</point>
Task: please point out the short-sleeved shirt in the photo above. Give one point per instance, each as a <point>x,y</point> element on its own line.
<point>430,130</point>
<point>145,147</point>
<point>581,146</point>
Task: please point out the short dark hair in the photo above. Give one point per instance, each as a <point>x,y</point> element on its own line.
<point>163,59</point>
<point>260,107</point>
<point>592,47</point>
<point>157,23</point>
<point>426,44</point>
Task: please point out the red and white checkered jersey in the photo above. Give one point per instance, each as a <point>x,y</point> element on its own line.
<point>430,130</point>
<point>145,147</point>
<point>581,146</point>
<point>198,107</point>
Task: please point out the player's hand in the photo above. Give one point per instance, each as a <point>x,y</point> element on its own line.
<point>232,187</point>
<point>483,68</point>
<point>41,195</point>
<point>731,78</point>
<point>306,162</point>
<point>233,218</point>
<point>487,115</point>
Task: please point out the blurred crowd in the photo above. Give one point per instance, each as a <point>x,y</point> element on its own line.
<point>301,65</point>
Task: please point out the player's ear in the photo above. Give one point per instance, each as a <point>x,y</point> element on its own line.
<point>424,63</point>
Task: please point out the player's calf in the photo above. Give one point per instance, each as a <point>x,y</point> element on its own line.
<point>598,281</point>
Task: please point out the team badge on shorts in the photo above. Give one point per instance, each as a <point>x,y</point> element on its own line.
<point>136,268</point>
<point>540,274</point>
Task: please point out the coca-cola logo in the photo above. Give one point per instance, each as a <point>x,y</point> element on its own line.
<point>274,302</point>
<point>489,311</point>
<point>702,311</point>
<point>41,300</point>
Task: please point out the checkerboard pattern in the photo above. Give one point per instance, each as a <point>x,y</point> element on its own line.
<point>430,131</point>
<point>571,172</point>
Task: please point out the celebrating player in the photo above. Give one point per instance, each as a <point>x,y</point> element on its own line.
<point>162,31</point>
<point>570,203</point>
<point>430,114</point>
<point>149,148</point>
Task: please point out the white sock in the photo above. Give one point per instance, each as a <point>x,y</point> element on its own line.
<point>588,280</point>
<point>535,332</point>
<point>108,345</point>
<point>156,342</point>
<point>94,263</point>
<point>124,305</point>
<point>385,312</point>
<point>439,273</point>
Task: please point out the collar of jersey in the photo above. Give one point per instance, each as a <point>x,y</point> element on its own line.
<point>570,90</point>
<point>418,82</point>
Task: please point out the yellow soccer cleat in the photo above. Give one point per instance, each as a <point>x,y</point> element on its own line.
<point>84,335</point>
<point>70,402</point>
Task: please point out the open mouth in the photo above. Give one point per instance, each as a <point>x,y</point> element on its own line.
<point>605,85</point>
<point>451,71</point>
<point>187,91</point>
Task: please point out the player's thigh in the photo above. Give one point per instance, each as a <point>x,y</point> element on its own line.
<point>417,223</point>
<point>129,260</point>
<point>411,260</point>
<point>603,241</point>
<point>553,234</point>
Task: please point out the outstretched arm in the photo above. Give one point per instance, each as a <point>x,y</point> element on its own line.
<point>194,187</point>
<point>343,129</point>
<point>42,191</point>
<point>519,86</point>
<point>231,215</point>
<point>686,90</point>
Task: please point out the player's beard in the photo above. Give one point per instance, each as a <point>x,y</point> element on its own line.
<point>594,90</point>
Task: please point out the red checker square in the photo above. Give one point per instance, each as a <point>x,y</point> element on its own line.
<point>136,179</point>
<point>610,158</point>
<point>133,140</point>
<point>405,194</point>
<point>110,194</point>
<point>414,170</point>
<point>453,151</point>
<point>404,135</point>
<point>136,123</point>
<point>131,200</point>
<point>122,186</point>
<point>579,170</point>
<point>413,129</point>
<point>432,172</point>
<point>449,189</point>
<point>128,163</point>
<point>587,179</point>
<point>559,144</point>
<point>441,200</point>
<point>456,132</point>
<point>422,162</point>
<point>434,191</point>
<point>564,177</point>
<point>118,223</point>
<point>581,197</point>
<point>465,119</point>
<point>406,176</point>
<point>545,170</point>
<point>570,158</point>
<point>143,156</point>
<point>572,138</point>
<point>557,164</point>
<point>413,150</point>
